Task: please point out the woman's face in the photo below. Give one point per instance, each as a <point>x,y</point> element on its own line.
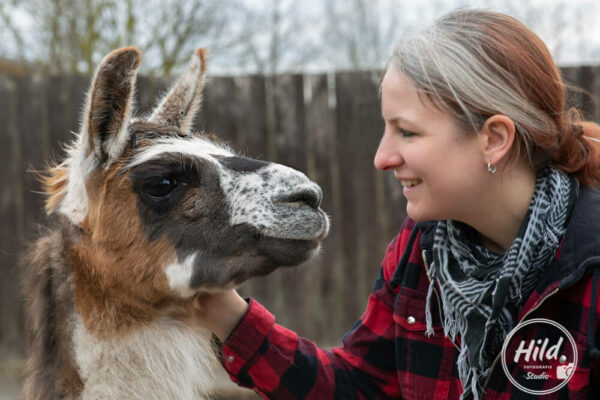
<point>440,167</point>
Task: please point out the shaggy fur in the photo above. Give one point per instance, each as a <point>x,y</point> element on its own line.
<point>148,214</point>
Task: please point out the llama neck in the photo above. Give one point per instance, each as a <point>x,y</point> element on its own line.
<point>117,291</point>
<point>165,359</point>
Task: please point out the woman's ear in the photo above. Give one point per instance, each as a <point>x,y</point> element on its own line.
<point>497,137</point>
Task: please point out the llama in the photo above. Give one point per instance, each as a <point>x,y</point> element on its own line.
<point>146,214</point>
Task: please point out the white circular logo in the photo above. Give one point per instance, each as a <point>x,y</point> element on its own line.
<point>542,360</point>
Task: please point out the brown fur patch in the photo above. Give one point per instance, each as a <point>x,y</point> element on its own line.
<point>202,53</point>
<point>54,183</point>
<point>118,272</point>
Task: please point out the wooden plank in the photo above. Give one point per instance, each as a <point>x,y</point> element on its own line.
<point>33,134</point>
<point>594,89</point>
<point>290,126</point>
<point>146,95</point>
<point>220,114</point>
<point>61,122</point>
<point>586,83</point>
<point>320,127</point>
<point>290,145</point>
<point>78,89</point>
<point>252,138</point>
<point>370,127</point>
<point>359,129</point>
<point>573,77</point>
<point>348,140</point>
<point>12,343</point>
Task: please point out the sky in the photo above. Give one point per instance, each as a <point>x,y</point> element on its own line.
<point>570,28</point>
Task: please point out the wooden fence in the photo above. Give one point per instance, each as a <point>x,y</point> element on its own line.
<point>325,125</point>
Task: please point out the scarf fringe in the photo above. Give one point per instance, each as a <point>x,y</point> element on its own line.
<point>428,320</point>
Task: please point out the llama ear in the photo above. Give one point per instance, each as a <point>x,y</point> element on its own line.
<point>108,105</point>
<point>180,105</point>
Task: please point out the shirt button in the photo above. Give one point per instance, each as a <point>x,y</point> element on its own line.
<point>411,320</point>
<point>230,359</point>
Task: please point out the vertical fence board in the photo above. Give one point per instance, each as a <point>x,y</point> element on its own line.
<point>346,87</point>
<point>146,95</point>
<point>594,88</point>
<point>290,145</point>
<point>586,80</point>
<point>370,129</point>
<point>320,129</point>
<point>63,118</point>
<point>11,226</point>
<point>252,122</point>
<point>220,111</point>
<point>33,134</point>
<point>77,95</point>
<point>588,99</point>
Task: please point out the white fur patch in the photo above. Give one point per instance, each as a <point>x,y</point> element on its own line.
<point>179,275</point>
<point>165,360</point>
<point>74,205</point>
<point>196,147</point>
<point>255,199</point>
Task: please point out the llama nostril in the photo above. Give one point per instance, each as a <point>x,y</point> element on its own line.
<point>300,198</point>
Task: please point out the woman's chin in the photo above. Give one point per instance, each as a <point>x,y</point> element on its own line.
<point>417,214</point>
<point>413,213</point>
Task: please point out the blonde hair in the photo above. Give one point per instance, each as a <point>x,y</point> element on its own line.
<point>476,63</point>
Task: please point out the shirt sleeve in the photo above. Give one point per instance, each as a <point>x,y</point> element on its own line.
<point>278,364</point>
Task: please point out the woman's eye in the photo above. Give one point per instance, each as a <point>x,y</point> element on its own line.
<point>406,133</point>
<point>160,189</point>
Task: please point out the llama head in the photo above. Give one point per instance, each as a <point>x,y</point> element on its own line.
<point>162,211</point>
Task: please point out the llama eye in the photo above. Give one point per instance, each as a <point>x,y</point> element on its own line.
<point>161,189</point>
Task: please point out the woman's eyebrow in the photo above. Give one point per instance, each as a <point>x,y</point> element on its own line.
<point>403,121</point>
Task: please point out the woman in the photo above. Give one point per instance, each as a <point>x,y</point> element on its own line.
<point>503,226</point>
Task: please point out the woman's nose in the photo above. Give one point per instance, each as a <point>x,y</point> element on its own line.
<point>387,155</point>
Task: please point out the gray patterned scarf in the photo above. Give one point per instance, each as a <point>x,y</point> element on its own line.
<point>483,292</point>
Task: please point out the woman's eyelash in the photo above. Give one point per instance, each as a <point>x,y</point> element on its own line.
<point>405,133</point>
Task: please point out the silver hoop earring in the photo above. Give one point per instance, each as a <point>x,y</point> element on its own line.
<point>491,170</point>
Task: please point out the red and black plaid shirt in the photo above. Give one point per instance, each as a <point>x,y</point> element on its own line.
<point>387,355</point>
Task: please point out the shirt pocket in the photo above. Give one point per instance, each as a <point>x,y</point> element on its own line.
<point>425,364</point>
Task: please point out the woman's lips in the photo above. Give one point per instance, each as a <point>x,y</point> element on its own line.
<point>410,182</point>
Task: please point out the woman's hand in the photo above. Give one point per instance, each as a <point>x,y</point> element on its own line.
<point>219,311</point>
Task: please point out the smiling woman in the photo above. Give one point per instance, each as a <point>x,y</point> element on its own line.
<point>436,163</point>
<point>502,186</point>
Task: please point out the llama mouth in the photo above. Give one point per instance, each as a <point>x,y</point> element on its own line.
<point>297,222</point>
<point>294,204</point>
<point>298,216</point>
